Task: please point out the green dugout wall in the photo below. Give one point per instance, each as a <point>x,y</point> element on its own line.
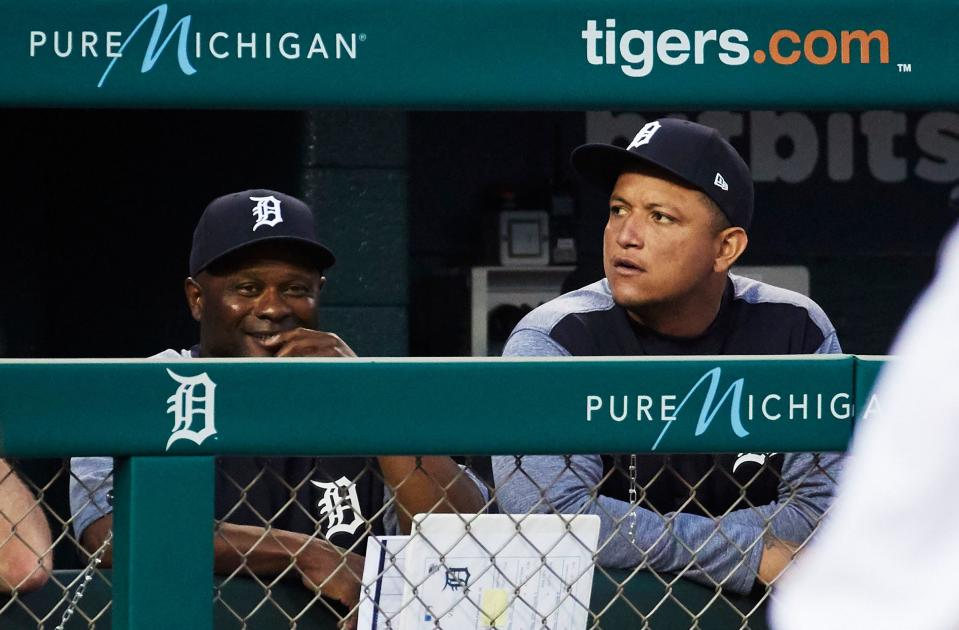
<point>436,54</point>
<point>407,406</point>
<point>164,469</point>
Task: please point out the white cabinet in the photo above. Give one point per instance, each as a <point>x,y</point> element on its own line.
<point>491,287</point>
<point>792,277</point>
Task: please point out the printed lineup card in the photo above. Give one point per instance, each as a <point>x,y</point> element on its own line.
<point>381,595</point>
<point>488,571</point>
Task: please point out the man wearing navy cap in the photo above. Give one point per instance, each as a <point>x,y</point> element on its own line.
<point>680,206</point>
<point>256,271</point>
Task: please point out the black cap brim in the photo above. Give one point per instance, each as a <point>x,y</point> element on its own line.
<point>321,256</point>
<point>601,165</point>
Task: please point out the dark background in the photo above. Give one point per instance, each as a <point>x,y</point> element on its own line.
<point>99,208</point>
<point>98,216</point>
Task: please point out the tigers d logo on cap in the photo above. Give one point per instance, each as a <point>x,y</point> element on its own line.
<point>645,134</point>
<point>696,155</point>
<point>225,227</point>
<point>267,211</point>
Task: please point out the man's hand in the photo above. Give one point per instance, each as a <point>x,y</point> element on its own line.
<point>432,484</point>
<point>323,567</point>
<point>304,342</point>
<point>336,577</point>
<point>777,554</point>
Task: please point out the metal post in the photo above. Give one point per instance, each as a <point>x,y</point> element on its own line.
<point>163,543</point>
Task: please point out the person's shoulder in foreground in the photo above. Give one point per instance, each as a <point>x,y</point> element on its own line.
<point>887,555</point>
<point>680,206</point>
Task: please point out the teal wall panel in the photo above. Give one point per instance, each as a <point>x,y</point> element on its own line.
<point>164,513</point>
<point>372,331</point>
<point>355,178</point>
<point>362,216</point>
<point>358,138</point>
<point>867,374</point>
<point>405,406</point>
<point>575,54</point>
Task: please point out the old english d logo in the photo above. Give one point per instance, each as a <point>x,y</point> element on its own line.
<point>645,135</point>
<point>266,211</point>
<point>194,397</point>
<point>339,503</point>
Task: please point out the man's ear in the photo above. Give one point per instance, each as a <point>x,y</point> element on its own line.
<point>194,297</point>
<point>321,284</point>
<point>732,244</point>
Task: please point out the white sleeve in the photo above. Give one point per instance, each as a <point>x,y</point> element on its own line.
<point>888,553</point>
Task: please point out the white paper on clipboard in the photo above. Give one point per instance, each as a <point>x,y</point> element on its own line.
<point>381,595</point>
<point>469,579</point>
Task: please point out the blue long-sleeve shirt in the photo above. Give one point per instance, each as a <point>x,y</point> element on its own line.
<point>726,546</point>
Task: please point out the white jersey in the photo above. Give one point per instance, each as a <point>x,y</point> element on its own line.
<point>888,553</point>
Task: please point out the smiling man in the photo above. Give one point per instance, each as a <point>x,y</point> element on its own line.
<point>256,272</point>
<point>680,206</point>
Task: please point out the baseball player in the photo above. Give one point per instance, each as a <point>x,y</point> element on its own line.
<point>680,207</point>
<point>256,271</point>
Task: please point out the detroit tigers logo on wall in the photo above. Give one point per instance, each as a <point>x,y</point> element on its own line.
<point>339,503</point>
<point>194,397</point>
<point>266,211</point>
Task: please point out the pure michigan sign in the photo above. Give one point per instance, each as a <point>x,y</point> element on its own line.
<point>364,406</point>
<point>479,53</point>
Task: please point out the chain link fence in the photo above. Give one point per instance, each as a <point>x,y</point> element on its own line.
<point>684,541</point>
<point>47,481</point>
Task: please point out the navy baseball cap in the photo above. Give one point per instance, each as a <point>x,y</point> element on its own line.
<point>234,221</point>
<point>695,154</point>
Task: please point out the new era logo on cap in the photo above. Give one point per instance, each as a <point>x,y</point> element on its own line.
<point>719,181</point>
<point>266,211</point>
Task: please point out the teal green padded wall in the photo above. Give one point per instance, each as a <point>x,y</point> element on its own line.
<point>355,178</point>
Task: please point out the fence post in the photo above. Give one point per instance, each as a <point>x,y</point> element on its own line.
<point>163,543</point>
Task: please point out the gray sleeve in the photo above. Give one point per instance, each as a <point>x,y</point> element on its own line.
<point>91,480</point>
<point>391,523</point>
<point>527,342</point>
<point>830,345</point>
<point>725,550</point>
<point>480,484</point>
<point>806,491</point>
